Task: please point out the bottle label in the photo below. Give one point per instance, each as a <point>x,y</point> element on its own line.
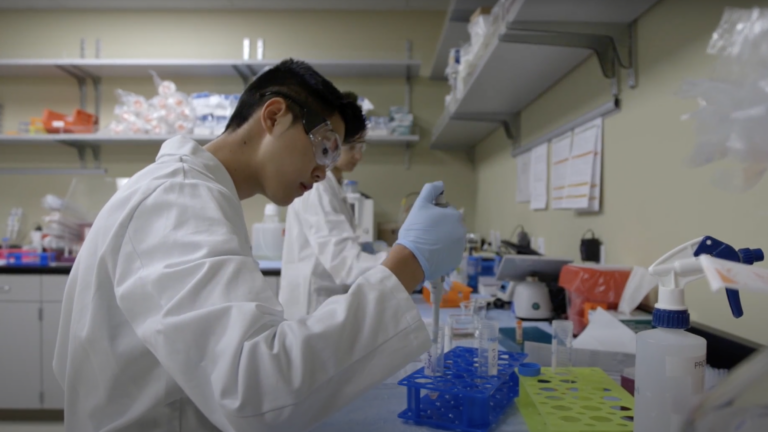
<point>693,367</point>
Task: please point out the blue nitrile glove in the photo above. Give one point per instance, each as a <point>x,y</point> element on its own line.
<point>436,235</point>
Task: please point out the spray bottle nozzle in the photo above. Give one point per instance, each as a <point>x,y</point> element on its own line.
<point>716,248</point>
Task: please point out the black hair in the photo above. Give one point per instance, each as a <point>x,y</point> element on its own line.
<point>306,87</point>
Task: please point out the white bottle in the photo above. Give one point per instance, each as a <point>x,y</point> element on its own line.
<point>669,362</point>
<point>267,237</point>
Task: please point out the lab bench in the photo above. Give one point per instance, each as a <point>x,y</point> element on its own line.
<point>377,409</point>
<point>30,311</point>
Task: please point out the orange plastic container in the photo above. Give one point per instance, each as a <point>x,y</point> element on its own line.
<point>453,298</point>
<point>79,122</point>
<point>598,284</point>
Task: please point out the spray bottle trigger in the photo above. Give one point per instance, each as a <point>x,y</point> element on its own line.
<point>734,301</point>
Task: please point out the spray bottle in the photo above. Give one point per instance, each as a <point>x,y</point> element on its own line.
<point>670,362</point>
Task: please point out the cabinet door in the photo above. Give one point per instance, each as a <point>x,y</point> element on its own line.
<point>20,355</point>
<point>53,394</point>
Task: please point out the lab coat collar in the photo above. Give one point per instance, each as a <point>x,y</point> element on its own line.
<point>190,152</point>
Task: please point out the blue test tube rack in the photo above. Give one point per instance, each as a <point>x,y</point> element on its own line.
<point>461,399</point>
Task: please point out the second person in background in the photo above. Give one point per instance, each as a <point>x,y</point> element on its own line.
<point>321,256</point>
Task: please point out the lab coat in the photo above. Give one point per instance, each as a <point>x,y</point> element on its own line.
<point>321,254</point>
<point>167,324</point>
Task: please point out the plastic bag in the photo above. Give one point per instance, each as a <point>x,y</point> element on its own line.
<point>169,112</point>
<point>602,285</point>
<point>731,123</point>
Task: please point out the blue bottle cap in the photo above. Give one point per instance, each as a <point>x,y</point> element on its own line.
<point>529,369</point>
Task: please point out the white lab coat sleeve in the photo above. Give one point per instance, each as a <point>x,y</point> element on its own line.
<point>333,239</point>
<point>193,294</point>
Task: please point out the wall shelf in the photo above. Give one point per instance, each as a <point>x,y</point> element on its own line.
<point>543,42</point>
<point>125,68</point>
<point>84,143</point>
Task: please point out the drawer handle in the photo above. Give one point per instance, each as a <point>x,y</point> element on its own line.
<point>5,289</point>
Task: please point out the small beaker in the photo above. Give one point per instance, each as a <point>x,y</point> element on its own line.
<point>461,331</point>
<point>487,348</point>
<point>475,307</point>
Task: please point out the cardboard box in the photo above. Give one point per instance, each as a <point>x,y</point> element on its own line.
<point>480,11</point>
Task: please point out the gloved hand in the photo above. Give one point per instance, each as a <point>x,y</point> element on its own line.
<point>436,235</point>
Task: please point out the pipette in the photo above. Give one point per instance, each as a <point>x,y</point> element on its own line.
<point>437,287</point>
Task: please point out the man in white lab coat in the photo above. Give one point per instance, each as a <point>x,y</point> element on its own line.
<point>167,324</point>
<point>321,254</point>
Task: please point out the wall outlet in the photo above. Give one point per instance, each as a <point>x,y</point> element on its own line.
<point>540,245</point>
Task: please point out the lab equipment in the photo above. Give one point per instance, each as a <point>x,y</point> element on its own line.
<point>475,308</point>
<point>487,348</point>
<point>267,237</point>
<point>519,332</point>
<point>591,284</point>
<point>529,369</point>
<point>184,229</point>
<point>30,259</point>
<point>562,345</point>
<point>13,226</point>
<point>80,121</point>
<point>461,331</point>
<point>362,212</point>
<point>587,399</point>
<point>730,122</point>
<point>322,256</point>
<point>169,112</point>
<point>670,364</point>
<point>457,293</point>
<point>738,404</point>
<point>212,111</point>
<point>531,297</point>
<point>437,292</point>
<point>434,358</point>
<point>466,401</point>
<point>481,266</point>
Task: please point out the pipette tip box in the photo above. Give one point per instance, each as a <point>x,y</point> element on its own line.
<point>460,399</point>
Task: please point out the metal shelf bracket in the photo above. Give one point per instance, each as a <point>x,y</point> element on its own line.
<point>511,124</point>
<point>82,152</point>
<point>614,44</point>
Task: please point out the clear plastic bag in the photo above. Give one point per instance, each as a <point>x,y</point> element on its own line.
<point>731,122</point>
<point>169,112</point>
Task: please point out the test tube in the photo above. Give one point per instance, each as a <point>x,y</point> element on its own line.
<point>562,344</point>
<point>487,348</point>
<point>433,359</point>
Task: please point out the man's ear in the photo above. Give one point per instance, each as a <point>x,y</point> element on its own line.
<point>275,116</point>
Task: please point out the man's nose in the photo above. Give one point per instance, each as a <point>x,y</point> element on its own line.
<point>318,174</point>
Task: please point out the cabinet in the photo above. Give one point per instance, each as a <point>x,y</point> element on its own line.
<point>20,381</point>
<point>30,310</point>
<point>52,296</point>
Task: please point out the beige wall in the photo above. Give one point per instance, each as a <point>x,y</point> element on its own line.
<point>651,201</point>
<point>218,35</point>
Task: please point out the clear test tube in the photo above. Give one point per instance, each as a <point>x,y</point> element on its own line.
<point>562,344</point>
<point>433,359</point>
<point>487,348</point>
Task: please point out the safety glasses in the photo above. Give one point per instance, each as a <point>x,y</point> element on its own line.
<point>326,142</point>
<point>355,147</point>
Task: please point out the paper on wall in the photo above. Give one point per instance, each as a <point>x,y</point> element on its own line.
<point>539,165</point>
<point>523,177</point>
<point>561,154</point>
<point>597,168</point>
<point>580,166</point>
